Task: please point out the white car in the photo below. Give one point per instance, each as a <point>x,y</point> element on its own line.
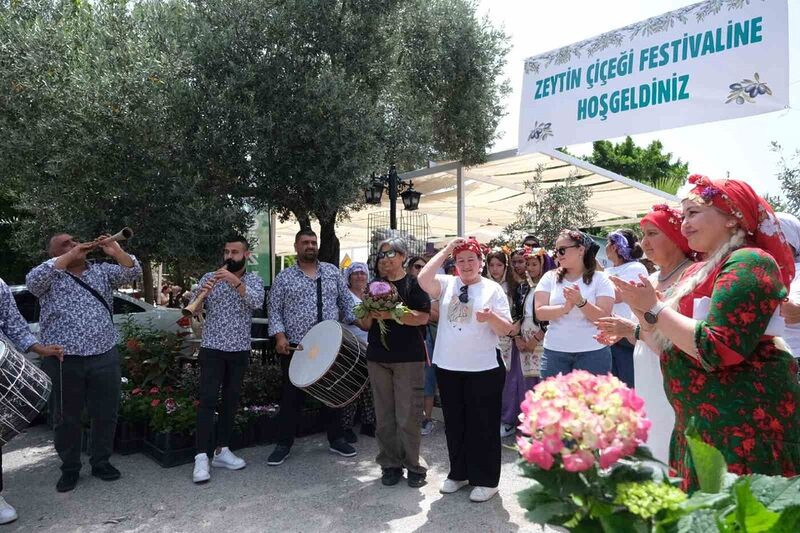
<point>125,308</point>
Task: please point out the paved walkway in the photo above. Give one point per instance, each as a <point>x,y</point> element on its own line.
<point>313,491</point>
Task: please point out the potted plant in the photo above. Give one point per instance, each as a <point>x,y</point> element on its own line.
<point>134,417</point>
<point>244,433</point>
<point>170,440</point>
<point>266,426</point>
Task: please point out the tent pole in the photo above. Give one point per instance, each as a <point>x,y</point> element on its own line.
<point>460,209</point>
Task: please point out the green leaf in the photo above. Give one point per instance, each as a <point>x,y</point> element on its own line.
<point>553,512</point>
<point>775,492</point>
<point>702,520</point>
<point>751,515</point>
<point>709,464</point>
<point>623,523</point>
<point>789,522</point>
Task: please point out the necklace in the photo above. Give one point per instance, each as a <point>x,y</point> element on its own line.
<point>665,278</point>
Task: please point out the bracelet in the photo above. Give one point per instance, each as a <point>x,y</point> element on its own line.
<point>637,331</point>
<point>583,303</point>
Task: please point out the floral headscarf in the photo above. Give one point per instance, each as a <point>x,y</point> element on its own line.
<point>668,221</point>
<point>755,215</point>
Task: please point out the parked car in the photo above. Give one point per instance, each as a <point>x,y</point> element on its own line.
<point>125,308</point>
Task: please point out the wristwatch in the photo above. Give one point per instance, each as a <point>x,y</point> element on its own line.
<point>651,316</point>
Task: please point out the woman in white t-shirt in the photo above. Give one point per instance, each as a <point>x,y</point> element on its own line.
<point>624,251</point>
<point>790,309</point>
<point>571,298</point>
<point>473,314</point>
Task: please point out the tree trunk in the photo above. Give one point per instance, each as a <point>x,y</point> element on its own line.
<point>328,241</point>
<point>147,279</point>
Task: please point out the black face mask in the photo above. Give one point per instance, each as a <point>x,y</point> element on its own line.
<point>235,266</point>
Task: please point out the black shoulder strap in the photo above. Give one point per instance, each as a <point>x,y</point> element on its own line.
<point>93,292</point>
<point>319,296</point>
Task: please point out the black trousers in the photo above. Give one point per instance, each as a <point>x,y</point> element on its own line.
<point>471,403</point>
<point>292,400</point>
<point>225,370</point>
<point>92,381</point>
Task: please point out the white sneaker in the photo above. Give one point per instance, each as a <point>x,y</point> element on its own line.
<point>449,486</point>
<point>506,430</point>
<point>226,459</point>
<point>7,513</point>
<point>201,472</point>
<point>482,494</point>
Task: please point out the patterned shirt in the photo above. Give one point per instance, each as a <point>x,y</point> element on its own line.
<point>12,324</point>
<point>229,314</point>
<point>70,315</point>
<point>293,301</point>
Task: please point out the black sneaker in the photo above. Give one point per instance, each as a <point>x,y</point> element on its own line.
<point>342,448</point>
<point>392,476</point>
<point>350,436</point>
<point>106,472</point>
<point>416,480</point>
<point>279,455</point>
<point>67,481</point>
<point>368,430</point>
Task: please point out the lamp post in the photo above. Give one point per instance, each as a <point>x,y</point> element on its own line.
<point>394,185</point>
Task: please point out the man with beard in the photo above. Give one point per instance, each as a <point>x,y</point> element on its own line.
<point>232,295</point>
<point>302,296</point>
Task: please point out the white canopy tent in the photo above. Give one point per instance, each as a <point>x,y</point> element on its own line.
<point>481,200</point>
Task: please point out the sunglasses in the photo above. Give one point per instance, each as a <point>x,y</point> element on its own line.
<point>417,266</point>
<point>463,295</point>
<point>562,251</point>
<point>387,253</point>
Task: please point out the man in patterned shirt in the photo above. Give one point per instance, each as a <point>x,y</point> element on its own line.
<point>76,299</point>
<point>14,329</point>
<point>232,295</point>
<point>293,310</point>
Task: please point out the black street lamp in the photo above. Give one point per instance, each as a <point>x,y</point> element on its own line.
<point>393,184</point>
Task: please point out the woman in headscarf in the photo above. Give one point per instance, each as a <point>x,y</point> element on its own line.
<point>668,248</point>
<point>790,309</point>
<point>356,276</point>
<point>473,315</point>
<point>624,251</point>
<point>722,366</point>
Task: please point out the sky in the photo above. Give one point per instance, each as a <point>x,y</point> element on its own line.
<point>740,147</point>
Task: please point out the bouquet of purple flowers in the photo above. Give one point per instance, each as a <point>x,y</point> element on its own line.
<point>381,296</point>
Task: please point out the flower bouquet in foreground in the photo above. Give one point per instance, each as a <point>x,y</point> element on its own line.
<point>381,296</point>
<point>582,447</point>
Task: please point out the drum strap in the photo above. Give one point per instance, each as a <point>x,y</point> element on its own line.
<point>93,292</point>
<point>319,297</point>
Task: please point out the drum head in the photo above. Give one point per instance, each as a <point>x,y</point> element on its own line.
<point>320,349</point>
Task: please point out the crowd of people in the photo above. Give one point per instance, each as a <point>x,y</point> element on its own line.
<point>707,338</point>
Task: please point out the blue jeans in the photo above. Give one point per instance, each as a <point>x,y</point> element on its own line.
<point>622,361</point>
<point>596,361</point>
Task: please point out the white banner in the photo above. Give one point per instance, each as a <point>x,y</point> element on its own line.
<point>716,60</point>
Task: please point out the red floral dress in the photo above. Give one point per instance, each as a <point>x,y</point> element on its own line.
<point>743,393</point>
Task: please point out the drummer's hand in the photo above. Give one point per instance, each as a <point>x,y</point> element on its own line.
<point>282,345</point>
<point>49,350</point>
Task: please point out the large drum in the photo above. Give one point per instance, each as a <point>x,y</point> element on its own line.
<point>24,390</point>
<point>331,366</point>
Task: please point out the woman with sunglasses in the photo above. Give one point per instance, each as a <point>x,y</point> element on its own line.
<point>624,251</point>
<point>474,313</point>
<point>571,298</point>
<point>663,242</point>
<point>397,373</point>
<point>724,368</point>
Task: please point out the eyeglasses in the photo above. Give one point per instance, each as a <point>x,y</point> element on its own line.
<point>562,251</point>
<point>417,266</point>
<point>387,253</point>
<point>463,295</point>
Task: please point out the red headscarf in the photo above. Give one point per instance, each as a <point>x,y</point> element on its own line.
<point>755,215</point>
<point>469,245</point>
<point>668,221</point>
